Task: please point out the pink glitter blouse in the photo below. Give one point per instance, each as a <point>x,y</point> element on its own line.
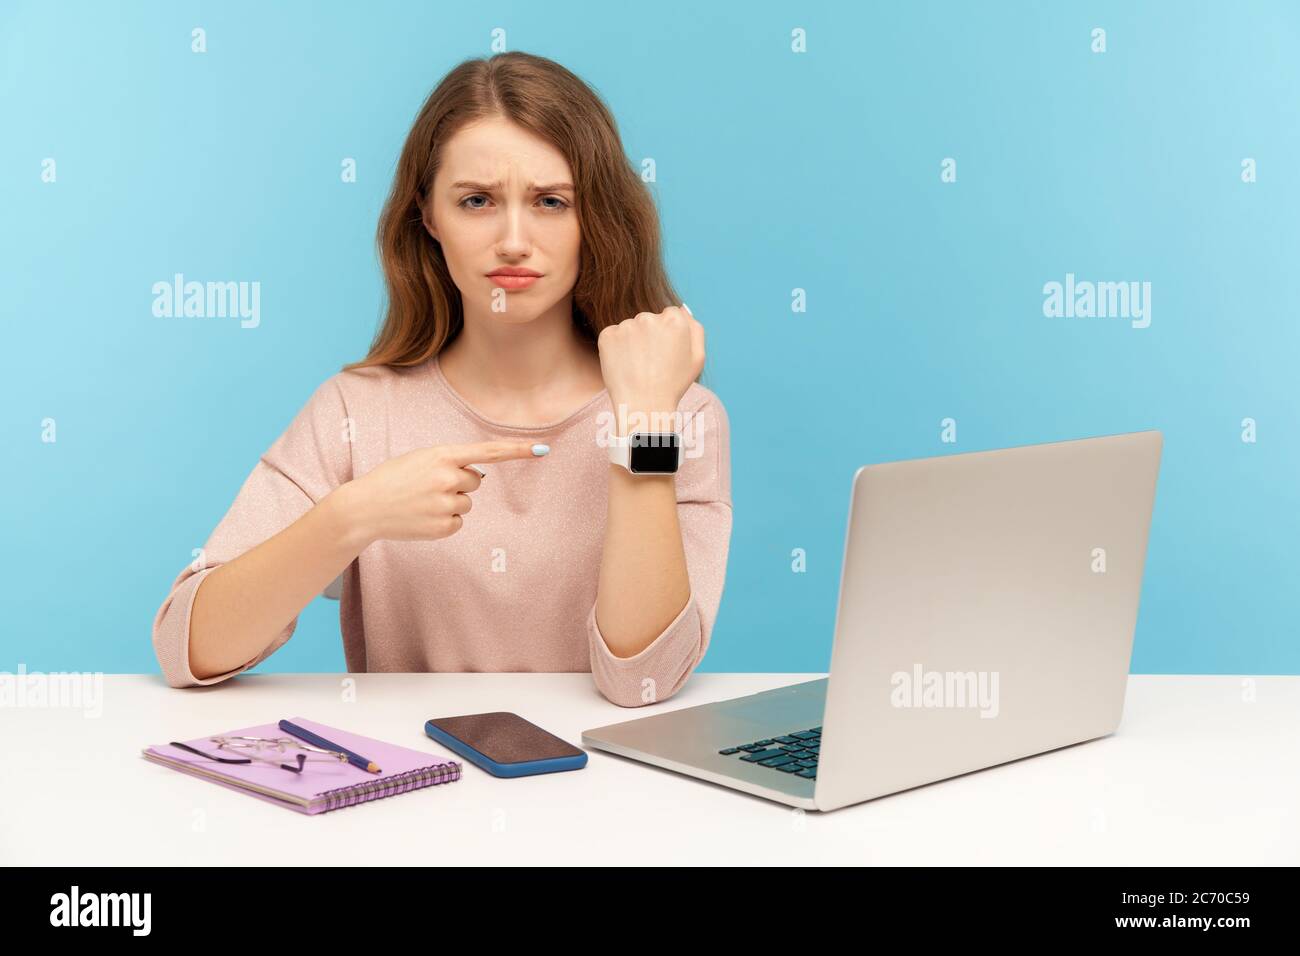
<point>515,588</point>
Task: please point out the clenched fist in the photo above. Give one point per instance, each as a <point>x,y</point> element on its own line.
<point>650,360</point>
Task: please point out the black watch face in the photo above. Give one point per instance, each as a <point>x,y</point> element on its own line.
<point>653,452</point>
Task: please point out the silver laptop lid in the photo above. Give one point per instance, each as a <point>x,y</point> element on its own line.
<point>986,612</point>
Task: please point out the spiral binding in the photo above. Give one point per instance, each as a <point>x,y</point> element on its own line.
<point>389,786</point>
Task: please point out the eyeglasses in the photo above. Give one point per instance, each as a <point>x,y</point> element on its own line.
<point>275,751</point>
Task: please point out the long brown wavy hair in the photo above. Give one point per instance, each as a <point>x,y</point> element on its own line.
<point>620,271</point>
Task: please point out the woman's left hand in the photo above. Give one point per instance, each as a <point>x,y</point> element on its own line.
<point>650,360</point>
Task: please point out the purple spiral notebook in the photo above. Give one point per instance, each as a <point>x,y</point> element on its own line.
<point>323,784</point>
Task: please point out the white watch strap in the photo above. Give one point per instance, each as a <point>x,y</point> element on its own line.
<point>620,451</point>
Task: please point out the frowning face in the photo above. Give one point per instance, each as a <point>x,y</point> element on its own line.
<point>503,208</point>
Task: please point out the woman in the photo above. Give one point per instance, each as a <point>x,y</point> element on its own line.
<point>530,325</point>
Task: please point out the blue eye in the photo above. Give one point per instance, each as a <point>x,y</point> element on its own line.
<point>464,202</point>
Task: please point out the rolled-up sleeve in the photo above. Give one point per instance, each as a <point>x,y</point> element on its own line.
<point>705,517</point>
<point>308,461</point>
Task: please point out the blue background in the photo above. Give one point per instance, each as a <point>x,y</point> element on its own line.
<point>776,171</point>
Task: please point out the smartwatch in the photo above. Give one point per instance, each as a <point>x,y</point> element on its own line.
<point>647,453</point>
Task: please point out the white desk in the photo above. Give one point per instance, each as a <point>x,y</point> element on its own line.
<point>1195,775</point>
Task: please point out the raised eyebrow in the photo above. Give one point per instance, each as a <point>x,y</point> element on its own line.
<point>491,187</point>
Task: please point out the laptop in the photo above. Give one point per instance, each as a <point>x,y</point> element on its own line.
<point>986,613</point>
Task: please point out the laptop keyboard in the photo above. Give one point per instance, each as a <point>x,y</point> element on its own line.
<point>795,752</point>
